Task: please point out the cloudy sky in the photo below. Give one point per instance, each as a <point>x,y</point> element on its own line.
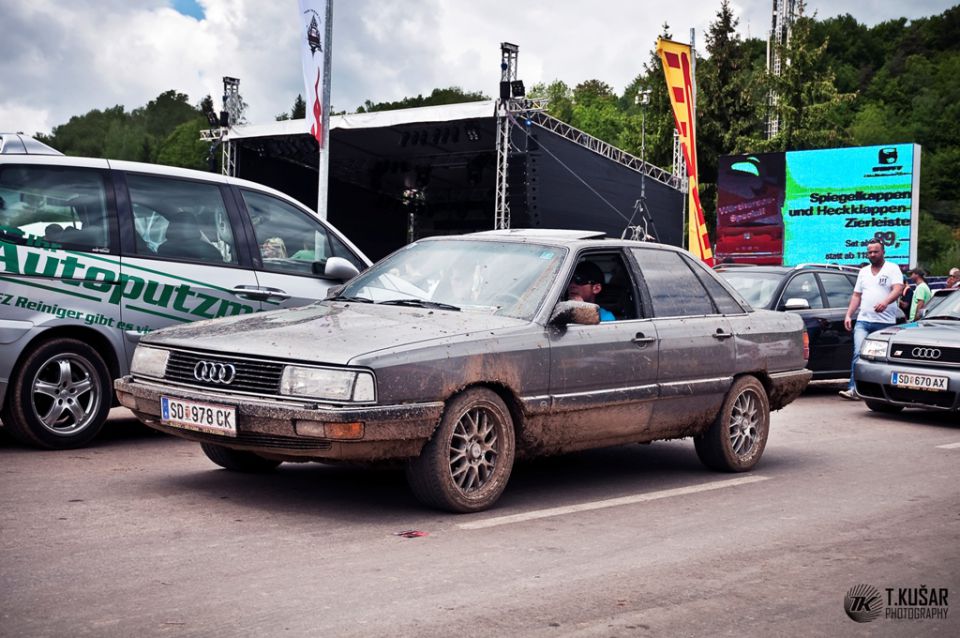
<point>60,58</point>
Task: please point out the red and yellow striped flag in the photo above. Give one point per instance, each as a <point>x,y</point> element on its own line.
<point>679,76</point>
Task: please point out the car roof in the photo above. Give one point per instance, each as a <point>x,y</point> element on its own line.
<point>557,237</point>
<point>783,270</point>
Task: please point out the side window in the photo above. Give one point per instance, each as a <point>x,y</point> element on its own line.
<point>803,286</point>
<point>674,290</point>
<point>603,279</point>
<point>62,206</point>
<point>839,289</point>
<point>725,302</point>
<point>179,219</point>
<point>289,239</point>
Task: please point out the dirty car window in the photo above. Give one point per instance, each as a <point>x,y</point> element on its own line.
<point>502,278</point>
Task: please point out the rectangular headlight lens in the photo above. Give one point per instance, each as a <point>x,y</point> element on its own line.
<point>327,384</point>
<point>149,362</point>
<point>873,349</point>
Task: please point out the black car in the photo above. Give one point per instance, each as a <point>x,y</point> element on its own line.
<point>819,293</point>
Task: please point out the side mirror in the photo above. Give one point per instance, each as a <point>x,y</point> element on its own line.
<point>796,303</point>
<point>579,312</point>
<point>336,268</point>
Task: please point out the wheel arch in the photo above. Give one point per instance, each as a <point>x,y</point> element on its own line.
<point>506,394</point>
<point>90,336</point>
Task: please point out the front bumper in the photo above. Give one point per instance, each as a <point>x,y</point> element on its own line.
<point>872,379</point>
<point>270,427</point>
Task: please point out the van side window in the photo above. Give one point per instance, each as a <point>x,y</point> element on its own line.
<point>179,219</point>
<point>55,207</point>
<point>289,240</point>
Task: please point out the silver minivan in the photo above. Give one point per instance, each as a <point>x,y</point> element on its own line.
<point>95,253</point>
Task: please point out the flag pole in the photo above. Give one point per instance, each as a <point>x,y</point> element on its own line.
<point>323,165</point>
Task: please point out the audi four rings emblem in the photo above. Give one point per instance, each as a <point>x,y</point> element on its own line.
<point>926,353</point>
<point>214,372</point>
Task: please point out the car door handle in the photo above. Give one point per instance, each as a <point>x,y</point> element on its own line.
<point>642,340</point>
<point>258,293</point>
<point>721,335</point>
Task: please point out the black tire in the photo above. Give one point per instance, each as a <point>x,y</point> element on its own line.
<point>238,460</point>
<point>59,396</point>
<point>885,408</point>
<point>466,464</point>
<point>735,440</point>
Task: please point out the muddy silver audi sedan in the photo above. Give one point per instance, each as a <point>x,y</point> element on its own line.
<point>457,355</point>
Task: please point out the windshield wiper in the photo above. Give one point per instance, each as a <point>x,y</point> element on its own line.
<point>419,303</point>
<point>950,317</point>
<point>348,298</point>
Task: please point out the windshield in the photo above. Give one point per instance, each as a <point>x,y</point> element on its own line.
<point>501,278</point>
<point>756,287</point>
<point>948,308</point>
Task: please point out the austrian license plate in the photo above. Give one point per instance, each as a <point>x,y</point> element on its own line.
<point>918,381</point>
<point>200,417</point>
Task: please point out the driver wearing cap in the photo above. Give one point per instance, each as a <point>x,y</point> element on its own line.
<point>586,284</point>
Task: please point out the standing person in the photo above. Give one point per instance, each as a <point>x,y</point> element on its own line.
<point>878,286</point>
<point>921,295</point>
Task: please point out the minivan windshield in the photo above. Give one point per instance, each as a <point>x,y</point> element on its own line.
<point>501,278</point>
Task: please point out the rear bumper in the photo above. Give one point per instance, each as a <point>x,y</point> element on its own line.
<point>787,386</point>
<point>873,383</point>
<point>275,428</point>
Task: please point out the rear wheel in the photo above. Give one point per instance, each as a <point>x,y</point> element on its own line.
<point>238,460</point>
<point>466,465</point>
<point>886,408</point>
<point>60,395</point>
<point>736,439</point>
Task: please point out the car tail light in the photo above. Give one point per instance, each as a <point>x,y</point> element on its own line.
<point>806,345</point>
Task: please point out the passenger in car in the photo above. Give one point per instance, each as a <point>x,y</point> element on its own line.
<point>586,284</point>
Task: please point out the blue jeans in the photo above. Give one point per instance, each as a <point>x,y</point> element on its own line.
<point>860,331</point>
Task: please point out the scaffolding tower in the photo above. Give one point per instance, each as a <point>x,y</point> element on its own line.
<point>231,115</point>
<point>784,15</point>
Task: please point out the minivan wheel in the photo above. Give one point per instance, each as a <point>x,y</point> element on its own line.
<point>735,440</point>
<point>466,464</point>
<point>238,460</point>
<point>60,396</point>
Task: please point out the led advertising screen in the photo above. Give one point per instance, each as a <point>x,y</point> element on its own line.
<point>818,206</point>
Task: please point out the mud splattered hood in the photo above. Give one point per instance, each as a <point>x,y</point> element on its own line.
<point>328,331</point>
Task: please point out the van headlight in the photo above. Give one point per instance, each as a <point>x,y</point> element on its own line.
<point>328,384</point>
<point>149,362</point>
<point>874,349</point>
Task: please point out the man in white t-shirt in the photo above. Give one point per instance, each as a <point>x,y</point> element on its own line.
<point>878,287</point>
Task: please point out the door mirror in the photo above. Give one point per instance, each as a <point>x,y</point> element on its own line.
<point>336,268</point>
<point>796,303</point>
<point>579,312</point>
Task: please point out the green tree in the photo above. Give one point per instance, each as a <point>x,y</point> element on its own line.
<point>183,146</point>
<point>449,95</point>
<point>297,112</point>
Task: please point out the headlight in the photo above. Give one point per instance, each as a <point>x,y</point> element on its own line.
<point>874,349</point>
<point>149,362</point>
<point>328,384</point>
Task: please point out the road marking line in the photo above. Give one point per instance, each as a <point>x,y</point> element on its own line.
<point>612,502</point>
<point>949,446</point>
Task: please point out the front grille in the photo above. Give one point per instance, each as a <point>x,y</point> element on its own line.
<point>257,377</point>
<point>921,397</point>
<point>253,439</point>
<point>904,352</point>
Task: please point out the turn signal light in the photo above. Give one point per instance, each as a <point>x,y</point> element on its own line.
<point>342,431</point>
<point>806,345</point>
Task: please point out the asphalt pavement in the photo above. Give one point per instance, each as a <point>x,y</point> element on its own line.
<point>141,535</point>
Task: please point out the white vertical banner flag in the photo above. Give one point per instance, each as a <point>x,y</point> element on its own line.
<point>313,51</point>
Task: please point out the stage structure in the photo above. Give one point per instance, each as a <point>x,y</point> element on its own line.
<point>397,176</point>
